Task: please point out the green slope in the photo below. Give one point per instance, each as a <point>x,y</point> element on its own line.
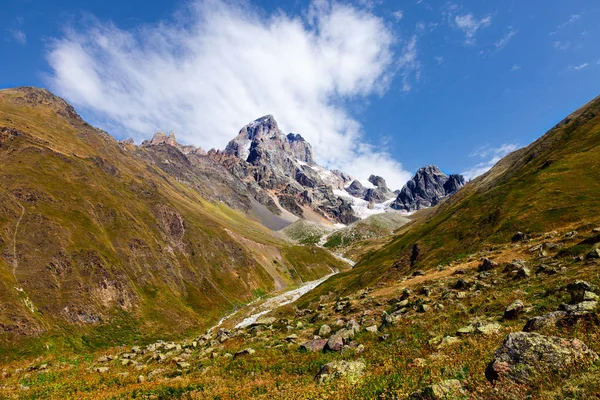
<point>98,246</point>
<point>552,183</point>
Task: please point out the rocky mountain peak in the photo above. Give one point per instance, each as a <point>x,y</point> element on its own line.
<point>162,138</point>
<point>264,127</point>
<point>301,149</point>
<point>426,188</point>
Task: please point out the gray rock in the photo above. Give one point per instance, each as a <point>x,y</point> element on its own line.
<point>334,343</point>
<point>543,321</point>
<point>314,345</point>
<point>248,351</point>
<point>487,264</point>
<point>524,356</point>
<point>324,331</point>
<point>351,371</point>
<point>101,370</point>
<point>449,389</point>
<point>523,273</point>
<point>593,255</point>
<point>519,237</point>
<point>372,329</point>
<point>513,310</point>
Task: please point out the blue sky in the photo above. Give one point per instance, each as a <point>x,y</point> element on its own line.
<point>376,86</point>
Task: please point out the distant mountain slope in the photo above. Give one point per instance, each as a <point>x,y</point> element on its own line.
<point>554,182</point>
<point>101,242</point>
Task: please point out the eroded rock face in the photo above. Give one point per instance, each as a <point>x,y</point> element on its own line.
<point>284,165</point>
<point>427,188</point>
<point>524,356</point>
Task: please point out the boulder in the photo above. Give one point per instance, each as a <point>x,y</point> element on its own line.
<point>449,389</point>
<point>594,254</point>
<point>487,264</point>
<point>513,310</point>
<point>324,331</point>
<point>353,326</point>
<point>578,289</point>
<point>264,321</point>
<point>518,237</point>
<point>544,321</point>
<point>352,371</point>
<point>372,329</point>
<point>314,345</point>
<point>244,352</point>
<point>523,273</point>
<point>524,356</point>
<point>334,343</point>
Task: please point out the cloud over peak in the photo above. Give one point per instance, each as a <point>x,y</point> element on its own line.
<point>219,65</point>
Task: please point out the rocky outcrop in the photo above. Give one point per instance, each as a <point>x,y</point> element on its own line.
<point>524,356</point>
<point>426,189</point>
<point>378,193</point>
<point>284,166</point>
<point>351,371</point>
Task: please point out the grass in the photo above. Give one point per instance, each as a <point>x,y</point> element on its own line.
<point>108,238</point>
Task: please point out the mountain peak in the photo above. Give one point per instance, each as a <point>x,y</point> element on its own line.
<point>426,188</point>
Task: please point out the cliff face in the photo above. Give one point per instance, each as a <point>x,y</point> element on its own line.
<point>426,188</point>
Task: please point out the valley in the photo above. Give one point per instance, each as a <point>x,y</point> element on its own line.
<point>162,270</point>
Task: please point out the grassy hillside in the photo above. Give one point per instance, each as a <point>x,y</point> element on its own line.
<point>554,182</point>
<point>375,226</point>
<point>99,247</point>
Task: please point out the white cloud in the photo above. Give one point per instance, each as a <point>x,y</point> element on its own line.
<point>515,67</point>
<point>398,15</point>
<point>18,36</point>
<point>500,44</point>
<point>469,24</point>
<point>439,59</point>
<point>561,45</point>
<point>218,66</point>
<point>490,156</point>
<point>408,64</point>
<point>580,66</point>
<point>573,18</point>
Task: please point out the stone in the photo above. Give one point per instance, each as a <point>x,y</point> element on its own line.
<point>353,326</point>
<point>571,234</point>
<point>372,329</point>
<point>513,310</point>
<point>334,343</point>
<point>593,255</point>
<point>524,356</point>
<point>461,284</point>
<point>583,307</point>
<point>544,321</point>
<point>487,264</point>
<point>141,379</point>
<point>386,319</point>
<point>523,273</point>
<point>578,289</point>
<point>448,341</point>
<point>351,371</point>
<point>314,345</point>
<point>489,329</point>
<point>461,295</point>
<point>418,273</point>
<point>291,338</point>
<point>183,365</point>
<point>596,230</point>
<point>324,331</point>
<point>423,308</point>
<point>518,237</point>
<point>449,389</point>
<point>248,351</point>
<point>101,370</point>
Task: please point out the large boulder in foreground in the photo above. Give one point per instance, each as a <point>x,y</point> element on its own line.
<point>524,356</point>
<point>351,371</point>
